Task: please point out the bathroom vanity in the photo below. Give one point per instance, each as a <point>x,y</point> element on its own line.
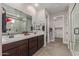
<point>23,47</point>
<point>18,23</point>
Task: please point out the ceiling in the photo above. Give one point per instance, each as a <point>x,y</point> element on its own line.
<point>52,7</point>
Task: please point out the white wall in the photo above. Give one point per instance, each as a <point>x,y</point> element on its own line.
<point>0,31</point>
<point>47,25</point>
<point>41,16</point>
<point>70,25</point>
<point>66,28</point>
<point>41,19</point>
<point>51,26</point>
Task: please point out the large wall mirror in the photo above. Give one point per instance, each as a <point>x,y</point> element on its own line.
<point>15,21</point>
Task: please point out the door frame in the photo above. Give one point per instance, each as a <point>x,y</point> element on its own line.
<point>62,29</point>
<point>0,30</point>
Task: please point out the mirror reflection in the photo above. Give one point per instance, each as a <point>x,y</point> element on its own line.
<point>15,21</point>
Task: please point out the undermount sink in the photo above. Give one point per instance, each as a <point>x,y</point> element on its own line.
<point>6,39</point>
<point>11,36</point>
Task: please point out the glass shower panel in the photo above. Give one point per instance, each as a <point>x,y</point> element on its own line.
<point>75,24</point>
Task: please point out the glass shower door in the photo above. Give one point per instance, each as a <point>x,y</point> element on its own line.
<point>75,30</point>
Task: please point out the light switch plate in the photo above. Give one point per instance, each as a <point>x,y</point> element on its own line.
<point>76,31</point>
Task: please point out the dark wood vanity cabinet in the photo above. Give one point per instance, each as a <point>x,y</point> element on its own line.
<point>19,48</point>
<point>32,45</point>
<point>25,47</point>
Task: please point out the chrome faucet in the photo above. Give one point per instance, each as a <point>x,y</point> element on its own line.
<point>11,35</point>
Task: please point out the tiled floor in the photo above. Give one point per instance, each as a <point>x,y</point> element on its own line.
<point>54,49</point>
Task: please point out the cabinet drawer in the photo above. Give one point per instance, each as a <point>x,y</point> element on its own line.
<point>33,39</point>
<point>10,52</point>
<point>8,46</point>
<point>19,48</point>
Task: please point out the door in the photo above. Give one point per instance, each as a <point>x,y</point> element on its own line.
<point>58,28</point>
<point>58,34</point>
<point>22,50</point>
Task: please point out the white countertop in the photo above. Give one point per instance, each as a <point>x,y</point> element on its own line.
<point>18,37</point>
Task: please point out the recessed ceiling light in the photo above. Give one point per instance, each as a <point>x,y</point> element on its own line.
<point>36,4</point>
<point>54,18</point>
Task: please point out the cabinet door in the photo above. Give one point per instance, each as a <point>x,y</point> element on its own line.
<point>40,41</point>
<point>22,50</point>
<point>32,45</point>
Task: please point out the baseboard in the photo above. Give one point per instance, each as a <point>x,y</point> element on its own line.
<point>65,42</point>
<point>52,40</point>
<point>58,38</point>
